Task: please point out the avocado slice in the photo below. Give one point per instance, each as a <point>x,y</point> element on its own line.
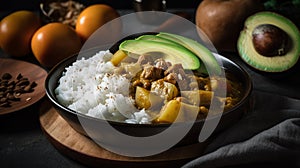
<point>165,40</point>
<point>170,52</point>
<point>210,62</point>
<point>283,59</point>
<point>156,38</point>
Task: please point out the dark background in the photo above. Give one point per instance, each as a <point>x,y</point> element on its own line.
<point>22,142</point>
<point>7,6</point>
<point>118,4</point>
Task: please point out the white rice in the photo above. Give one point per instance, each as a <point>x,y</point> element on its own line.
<point>90,87</point>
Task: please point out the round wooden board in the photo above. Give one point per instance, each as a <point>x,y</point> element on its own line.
<point>84,150</point>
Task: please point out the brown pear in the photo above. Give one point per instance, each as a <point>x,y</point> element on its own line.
<point>222,20</point>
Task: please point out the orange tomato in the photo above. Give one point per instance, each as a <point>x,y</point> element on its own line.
<point>95,16</point>
<point>54,42</point>
<point>16,31</point>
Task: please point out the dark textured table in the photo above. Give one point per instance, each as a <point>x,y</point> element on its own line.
<point>22,143</point>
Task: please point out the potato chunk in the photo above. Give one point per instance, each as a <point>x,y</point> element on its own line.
<point>118,57</point>
<point>166,90</point>
<point>145,99</point>
<point>201,97</point>
<point>174,109</point>
<point>169,112</point>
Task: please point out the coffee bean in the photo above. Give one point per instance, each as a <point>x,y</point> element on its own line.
<point>19,76</point>
<point>11,90</point>
<point>6,76</point>
<point>5,104</point>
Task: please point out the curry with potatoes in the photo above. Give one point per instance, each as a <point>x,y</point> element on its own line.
<point>164,89</point>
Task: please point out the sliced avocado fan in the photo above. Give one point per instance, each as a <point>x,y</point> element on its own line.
<point>173,53</point>
<point>156,38</point>
<point>176,49</point>
<point>210,62</point>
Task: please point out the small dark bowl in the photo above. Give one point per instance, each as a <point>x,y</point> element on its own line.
<point>60,12</point>
<point>92,125</point>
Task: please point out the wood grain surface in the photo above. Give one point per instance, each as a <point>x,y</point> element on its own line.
<point>84,150</point>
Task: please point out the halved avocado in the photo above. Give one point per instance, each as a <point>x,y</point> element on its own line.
<point>284,56</point>
<point>210,62</point>
<point>176,54</point>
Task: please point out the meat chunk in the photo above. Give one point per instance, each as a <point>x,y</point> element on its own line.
<point>152,73</point>
<point>162,64</point>
<point>175,73</point>
<point>171,78</point>
<point>144,59</point>
<point>177,69</point>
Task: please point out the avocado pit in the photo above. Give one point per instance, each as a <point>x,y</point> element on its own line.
<point>269,40</point>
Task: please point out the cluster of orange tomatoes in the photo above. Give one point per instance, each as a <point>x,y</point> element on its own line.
<point>22,33</point>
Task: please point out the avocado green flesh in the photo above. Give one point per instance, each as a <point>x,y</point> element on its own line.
<point>169,41</point>
<point>156,38</point>
<point>173,53</point>
<point>263,63</point>
<point>201,51</point>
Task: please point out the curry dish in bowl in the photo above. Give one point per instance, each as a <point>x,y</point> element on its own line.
<point>142,94</point>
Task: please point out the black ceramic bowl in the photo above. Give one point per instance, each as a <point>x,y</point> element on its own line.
<point>92,126</point>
